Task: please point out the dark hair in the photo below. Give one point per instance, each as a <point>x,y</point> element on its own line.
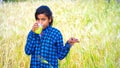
<point>44,10</point>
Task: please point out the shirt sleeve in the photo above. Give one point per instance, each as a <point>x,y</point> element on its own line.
<point>30,47</point>
<point>62,50</point>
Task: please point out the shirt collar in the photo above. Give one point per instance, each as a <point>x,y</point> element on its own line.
<point>46,29</point>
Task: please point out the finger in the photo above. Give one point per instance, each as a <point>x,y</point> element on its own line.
<point>36,24</point>
<point>71,38</point>
<point>71,41</point>
<point>74,40</point>
<point>34,28</point>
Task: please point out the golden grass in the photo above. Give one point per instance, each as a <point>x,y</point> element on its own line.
<point>94,23</point>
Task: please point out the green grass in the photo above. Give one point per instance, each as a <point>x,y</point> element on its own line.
<point>95,23</point>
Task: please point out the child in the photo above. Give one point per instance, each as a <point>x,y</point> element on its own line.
<point>46,48</point>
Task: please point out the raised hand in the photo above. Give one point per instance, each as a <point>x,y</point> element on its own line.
<point>73,40</point>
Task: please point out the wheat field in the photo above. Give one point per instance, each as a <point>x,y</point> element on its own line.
<point>96,23</point>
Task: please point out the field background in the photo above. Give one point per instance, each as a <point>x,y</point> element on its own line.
<point>96,23</point>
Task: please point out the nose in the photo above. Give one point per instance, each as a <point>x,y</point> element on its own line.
<point>39,21</point>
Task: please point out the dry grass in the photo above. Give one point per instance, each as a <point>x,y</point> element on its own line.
<point>94,23</point>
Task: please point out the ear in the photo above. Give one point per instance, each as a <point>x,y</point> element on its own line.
<point>50,19</point>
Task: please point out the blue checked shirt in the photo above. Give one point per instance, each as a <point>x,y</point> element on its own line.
<point>46,49</point>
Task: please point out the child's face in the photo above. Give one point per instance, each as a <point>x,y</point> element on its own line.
<point>43,19</point>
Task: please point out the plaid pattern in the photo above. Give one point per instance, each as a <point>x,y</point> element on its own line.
<point>46,49</point>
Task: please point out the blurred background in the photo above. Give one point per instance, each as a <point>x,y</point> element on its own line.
<point>96,23</point>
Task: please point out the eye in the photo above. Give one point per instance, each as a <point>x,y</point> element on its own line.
<point>43,19</point>
<point>38,19</point>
